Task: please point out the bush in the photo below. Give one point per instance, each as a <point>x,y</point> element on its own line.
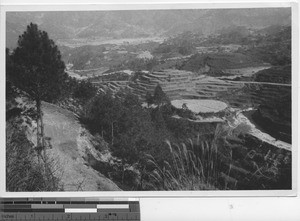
<point>84,90</point>
<point>130,129</point>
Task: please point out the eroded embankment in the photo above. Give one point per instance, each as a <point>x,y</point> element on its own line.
<point>241,118</point>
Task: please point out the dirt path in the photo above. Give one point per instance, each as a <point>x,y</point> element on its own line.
<point>70,145</point>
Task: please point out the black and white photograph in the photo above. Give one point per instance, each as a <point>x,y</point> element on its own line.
<point>149,100</point>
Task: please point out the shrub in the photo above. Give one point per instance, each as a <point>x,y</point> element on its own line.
<point>84,90</point>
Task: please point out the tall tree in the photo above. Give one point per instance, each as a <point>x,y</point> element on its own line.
<point>39,71</point>
<point>149,98</point>
<point>84,90</point>
<point>103,113</point>
<point>159,97</point>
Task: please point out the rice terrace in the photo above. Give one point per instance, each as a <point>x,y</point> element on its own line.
<point>200,106</point>
<point>154,100</point>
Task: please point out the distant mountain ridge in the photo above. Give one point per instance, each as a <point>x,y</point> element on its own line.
<point>140,23</point>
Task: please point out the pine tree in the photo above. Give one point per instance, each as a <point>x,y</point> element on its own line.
<point>159,97</point>
<point>39,71</point>
<point>149,98</point>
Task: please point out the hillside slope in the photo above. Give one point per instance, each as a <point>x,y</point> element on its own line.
<point>71,148</point>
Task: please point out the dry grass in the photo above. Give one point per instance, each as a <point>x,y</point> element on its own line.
<point>24,172</point>
<point>192,167</point>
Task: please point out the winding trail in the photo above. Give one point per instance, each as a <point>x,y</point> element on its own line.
<point>70,146</point>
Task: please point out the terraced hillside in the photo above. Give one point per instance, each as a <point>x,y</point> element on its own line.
<point>273,100</point>
<point>173,83</point>
<point>112,86</point>
<point>178,84</point>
